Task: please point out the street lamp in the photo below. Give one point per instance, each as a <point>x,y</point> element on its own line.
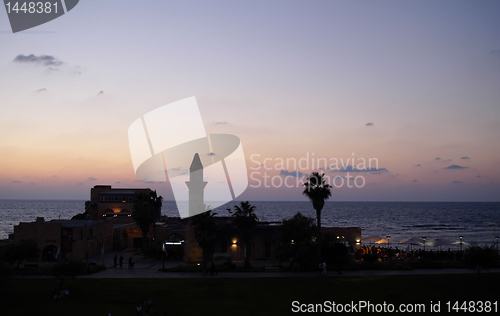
<point>388,241</point>
<point>461,238</point>
<point>164,257</point>
<point>425,241</point>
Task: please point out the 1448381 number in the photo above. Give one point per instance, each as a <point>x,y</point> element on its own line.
<point>38,7</point>
<point>472,306</point>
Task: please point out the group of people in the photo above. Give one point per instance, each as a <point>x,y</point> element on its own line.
<point>118,261</point>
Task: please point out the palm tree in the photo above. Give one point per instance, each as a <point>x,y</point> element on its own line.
<point>318,191</point>
<point>245,220</point>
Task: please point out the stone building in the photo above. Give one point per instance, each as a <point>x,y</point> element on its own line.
<point>72,240</point>
<point>106,201</point>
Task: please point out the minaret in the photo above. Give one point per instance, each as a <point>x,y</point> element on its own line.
<point>196,186</point>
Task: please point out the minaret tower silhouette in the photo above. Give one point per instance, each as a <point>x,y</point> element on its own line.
<point>196,186</point>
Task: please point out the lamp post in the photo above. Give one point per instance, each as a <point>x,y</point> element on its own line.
<point>461,243</point>
<point>164,257</point>
<point>425,241</point>
<point>388,241</point>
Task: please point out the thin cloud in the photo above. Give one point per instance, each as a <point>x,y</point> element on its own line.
<point>41,90</point>
<point>495,52</point>
<point>442,160</point>
<point>465,158</point>
<point>221,123</point>
<point>91,179</point>
<point>366,170</point>
<point>455,167</point>
<point>41,60</point>
<point>286,173</point>
<point>370,124</point>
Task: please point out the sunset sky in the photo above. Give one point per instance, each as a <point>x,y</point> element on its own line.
<point>415,84</point>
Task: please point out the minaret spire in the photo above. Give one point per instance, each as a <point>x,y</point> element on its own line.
<point>196,186</point>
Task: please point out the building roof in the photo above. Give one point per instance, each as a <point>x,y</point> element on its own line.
<point>120,191</point>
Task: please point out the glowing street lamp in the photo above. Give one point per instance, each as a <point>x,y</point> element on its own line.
<point>425,241</point>
<point>461,238</point>
<point>388,241</point>
<point>234,243</point>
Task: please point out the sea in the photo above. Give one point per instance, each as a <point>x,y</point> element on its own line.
<point>435,224</point>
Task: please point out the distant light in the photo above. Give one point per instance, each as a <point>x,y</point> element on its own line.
<point>124,201</point>
<point>292,242</point>
<point>175,243</point>
<point>234,241</point>
<point>358,241</point>
<point>198,264</point>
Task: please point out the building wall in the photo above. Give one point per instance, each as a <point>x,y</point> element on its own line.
<point>265,243</point>
<point>108,201</point>
<point>71,239</point>
<point>43,233</point>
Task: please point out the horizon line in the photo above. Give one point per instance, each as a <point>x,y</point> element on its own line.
<point>290,201</point>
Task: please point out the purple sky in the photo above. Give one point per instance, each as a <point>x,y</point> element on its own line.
<point>413,84</point>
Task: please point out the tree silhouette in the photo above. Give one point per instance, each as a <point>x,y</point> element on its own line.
<point>318,191</point>
<point>205,233</point>
<point>297,241</point>
<point>245,220</point>
<point>147,209</point>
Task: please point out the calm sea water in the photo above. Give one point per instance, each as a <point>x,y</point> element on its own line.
<point>478,223</point>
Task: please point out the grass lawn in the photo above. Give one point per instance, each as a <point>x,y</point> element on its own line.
<point>217,296</point>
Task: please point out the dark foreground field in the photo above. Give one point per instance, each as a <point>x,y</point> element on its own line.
<point>218,296</point>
